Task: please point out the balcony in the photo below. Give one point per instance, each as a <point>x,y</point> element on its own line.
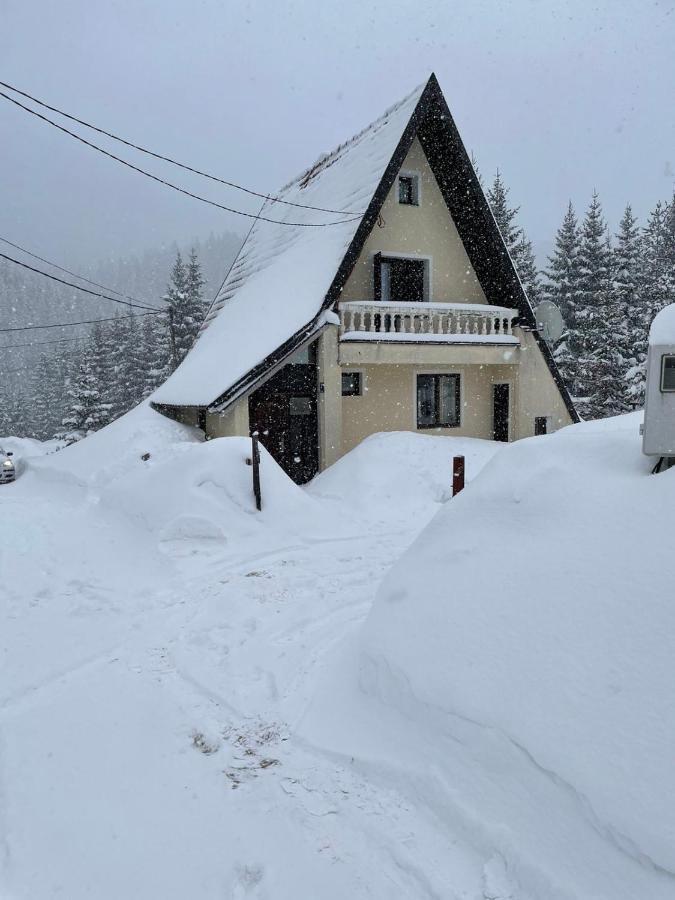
<point>461,323</point>
<point>434,333</point>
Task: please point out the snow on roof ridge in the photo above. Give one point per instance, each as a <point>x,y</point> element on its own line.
<point>323,159</point>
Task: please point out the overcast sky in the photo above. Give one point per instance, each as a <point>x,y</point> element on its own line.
<point>563,96</point>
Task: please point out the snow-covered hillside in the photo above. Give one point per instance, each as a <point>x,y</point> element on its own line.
<point>200,700</point>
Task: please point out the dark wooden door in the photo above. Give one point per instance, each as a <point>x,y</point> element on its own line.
<point>500,412</point>
<point>284,413</point>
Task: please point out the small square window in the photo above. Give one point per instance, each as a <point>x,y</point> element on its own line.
<point>351,384</point>
<point>408,190</point>
<point>667,373</point>
<point>540,425</point>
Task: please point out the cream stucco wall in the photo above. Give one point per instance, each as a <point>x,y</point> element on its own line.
<point>388,401</point>
<point>538,394</point>
<point>231,422</point>
<point>424,231</point>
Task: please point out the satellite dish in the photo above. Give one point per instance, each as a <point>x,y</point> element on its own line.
<point>549,321</point>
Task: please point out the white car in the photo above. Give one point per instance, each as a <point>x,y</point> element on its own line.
<point>7,468</point>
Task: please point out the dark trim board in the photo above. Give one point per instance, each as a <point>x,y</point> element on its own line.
<point>432,122</point>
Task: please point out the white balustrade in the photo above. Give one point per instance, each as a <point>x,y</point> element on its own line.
<point>388,319</point>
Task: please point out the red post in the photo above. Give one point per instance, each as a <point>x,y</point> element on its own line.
<point>457,474</point>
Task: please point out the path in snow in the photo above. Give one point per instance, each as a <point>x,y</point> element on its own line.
<point>149,708</point>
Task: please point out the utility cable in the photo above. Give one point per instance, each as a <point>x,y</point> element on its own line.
<point>77,286</point>
<point>83,322</point>
<point>170,184</point>
<point>37,343</point>
<point>115,137</point>
<point>75,274</point>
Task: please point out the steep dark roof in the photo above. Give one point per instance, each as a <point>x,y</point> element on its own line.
<point>362,171</point>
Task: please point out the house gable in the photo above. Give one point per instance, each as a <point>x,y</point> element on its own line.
<point>425,230</point>
<point>429,120</point>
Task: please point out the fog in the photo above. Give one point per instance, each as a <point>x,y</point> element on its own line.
<point>564,98</point>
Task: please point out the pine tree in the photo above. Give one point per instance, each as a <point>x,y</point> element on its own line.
<point>87,411</point>
<point>157,353</point>
<point>630,308</point>
<point>505,215</point>
<point>595,356</point>
<point>184,297</point>
<point>519,247</point>
<point>563,287</point>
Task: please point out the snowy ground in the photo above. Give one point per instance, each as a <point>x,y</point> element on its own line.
<point>198,700</point>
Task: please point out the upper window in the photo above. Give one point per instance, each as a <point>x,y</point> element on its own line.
<point>408,190</point>
<point>397,279</point>
<point>351,384</point>
<point>667,372</point>
<point>437,401</point>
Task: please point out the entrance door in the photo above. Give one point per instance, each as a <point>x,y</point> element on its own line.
<point>284,413</point>
<point>500,412</point>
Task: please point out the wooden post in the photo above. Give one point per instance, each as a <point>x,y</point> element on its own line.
<point>255,460</point>
<point>457,475</point>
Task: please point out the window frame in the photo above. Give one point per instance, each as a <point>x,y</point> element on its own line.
<point>360,374</point>
<point>458,400</point>
<point>416,188</point>
<point>664,357</point>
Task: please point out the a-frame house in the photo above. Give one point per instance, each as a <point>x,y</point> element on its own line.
<point>373,293</point>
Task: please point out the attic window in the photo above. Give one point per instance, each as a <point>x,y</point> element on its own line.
<point>408,190</point>
<point>667,373</point>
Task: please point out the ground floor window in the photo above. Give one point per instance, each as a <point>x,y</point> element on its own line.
<point>351,384</point>
<point>437,401</point>
<point>540,425</point>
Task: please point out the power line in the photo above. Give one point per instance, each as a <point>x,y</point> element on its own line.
<point>115,137</point>
<point>170,184</point>
<point>83,322</point>
<point>38,343</point>
<point>76,286</point>
<point>68,271</point>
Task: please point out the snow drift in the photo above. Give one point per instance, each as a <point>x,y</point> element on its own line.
<point>536,612</point>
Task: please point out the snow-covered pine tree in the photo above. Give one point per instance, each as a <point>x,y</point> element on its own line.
<point>47,393</point>
<point>101,345</point>
<point>175,297</point>
<point>630,306</point>
<point>563,287</point>
<point>184,297</point>
<point>519,247</point>
<point>127,371</point>
<point>87,410</point>
<point>592,325</point>
<point>157,352</point>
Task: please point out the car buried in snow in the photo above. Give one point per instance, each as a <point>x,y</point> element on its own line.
<point>7,468</point>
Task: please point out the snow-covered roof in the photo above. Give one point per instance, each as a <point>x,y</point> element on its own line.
<point>283,273</point>
<point>663,327</point>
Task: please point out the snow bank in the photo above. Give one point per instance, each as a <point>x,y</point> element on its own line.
<point>203,496</point>
<point>396,477</point>
<point>540,603</point>
<point>116,450</point>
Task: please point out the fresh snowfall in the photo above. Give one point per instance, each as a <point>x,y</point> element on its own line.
<point>369,689</point>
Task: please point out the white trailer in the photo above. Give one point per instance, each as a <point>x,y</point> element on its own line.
<point>658,431</point>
